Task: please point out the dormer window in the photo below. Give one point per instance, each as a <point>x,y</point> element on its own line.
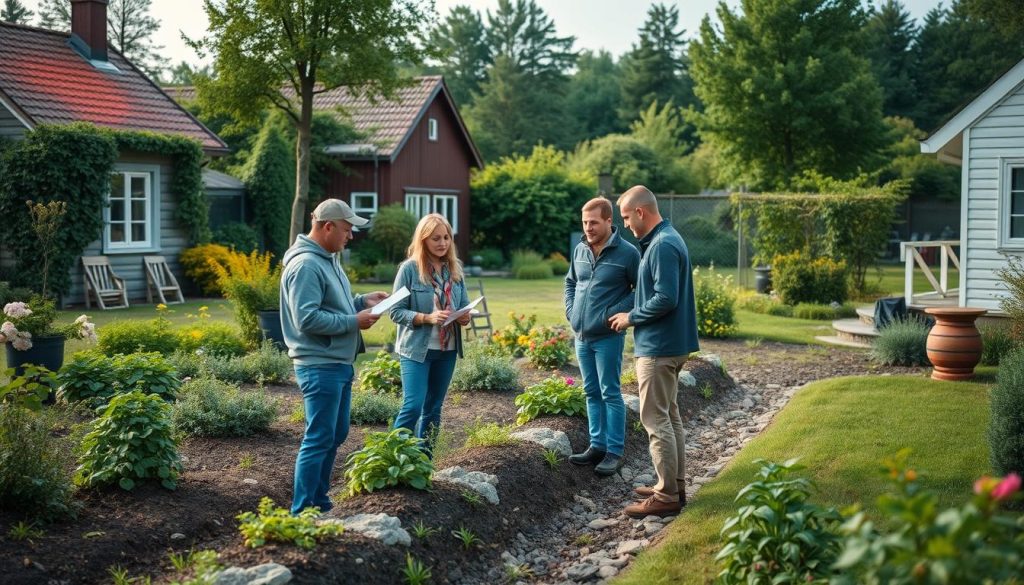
<point>432,129</point>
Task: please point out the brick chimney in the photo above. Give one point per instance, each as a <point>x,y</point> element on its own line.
<point>89,28</point>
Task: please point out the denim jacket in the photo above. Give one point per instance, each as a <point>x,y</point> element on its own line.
<point>412,339</point>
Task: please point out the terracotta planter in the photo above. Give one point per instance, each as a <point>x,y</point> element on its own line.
<point>954,344</point>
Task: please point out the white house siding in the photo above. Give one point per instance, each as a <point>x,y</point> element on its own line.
<point>173,239</point>
<point>996,135</point>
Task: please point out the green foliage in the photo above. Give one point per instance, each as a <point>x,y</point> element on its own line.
<point>716,303</point>
<point>24,321</point>
<point>785,90</point>
<point>88,376</point>
<point>971,543</point>
<point>889,38</point>
<point>269,177</point>
<point>997,342</point>
<point>392,230</point>
<point>484,372</point>
<point>266,364</point>
<point>522,258</point>
<point>372,408</point>
<point>551,396</point>
<point>780,310</point>
<point>466,537</point>
<point>558,263</point>
<point>472,497</point>
<point>388,458</point>
<point>27,390</point>
<point>383,375</point>
<point>22,531</point>
<point>461,40</point>
<point>707,243</point>
<point>777,536</point>
<point>533,186</point>
<point>538,271</point>
<point>820,312</point>
<point>33,480</point>
<point>128,336</point>
<point>252,284</point>
<point>902,343</point>
<point>626,158</point>
<point>237,236</point>
<point>551,458</point>
<point>593,98</point>
<point>10,294</point>
<point>514,338</point>
<point>273,524</point>
<point>385,272</point>
<point>210,337</point>
<point>211,408</point>
<point>549,347</point>
<point>94,378</point>
<point>196,262</point>
<point>491,434</point>
<point>925,176</point>
<point>132,440</point>
<point>1006,424</point>
<point>490,258</point>
<point>799,278</point>
<point>664,132</point>
<point>1012,303</point>
<point>415,572</point>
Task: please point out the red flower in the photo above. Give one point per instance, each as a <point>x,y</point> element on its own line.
<point>1007,487</point>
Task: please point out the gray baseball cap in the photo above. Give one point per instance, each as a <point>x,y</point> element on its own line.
<point>335,209</point>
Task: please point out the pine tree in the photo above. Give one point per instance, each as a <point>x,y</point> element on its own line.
<point>785,90</point>
<point>592,100</point>
<point>524,34</point>
<point>890,37</point>
<point>15,12</point>
<point>461,40</point>
<point>55,14</point>
<point>656,69</point>
<point>1006,15</point>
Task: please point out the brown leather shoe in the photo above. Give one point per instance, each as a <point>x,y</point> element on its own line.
<point>647,491</point>
<point>653,507</point>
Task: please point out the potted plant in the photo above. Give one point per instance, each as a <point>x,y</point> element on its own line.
<point>32,337</point>
<point>253,286</point>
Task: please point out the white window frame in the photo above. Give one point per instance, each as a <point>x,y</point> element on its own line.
<point>418,204</point>
<point>452,202</point>
<point>367,212</point>
<point>151,176</point>
<point>1006,168</point>
<point>432,129</point>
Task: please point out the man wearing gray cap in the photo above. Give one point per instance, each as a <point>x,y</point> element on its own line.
<point>321,321</point>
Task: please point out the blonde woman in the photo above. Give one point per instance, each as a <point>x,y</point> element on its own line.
<point>427,348</point>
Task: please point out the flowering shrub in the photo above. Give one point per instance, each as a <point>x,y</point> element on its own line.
<point>514,339</point>
<point>209,336</point>
<point>382,375</point>
<point>552,396</point>
<point>133,335</point>
<point>196,263</point>
<point>716,302</point>
<point>252,283</point>
<point>22,322</point>
<point>548,347</point>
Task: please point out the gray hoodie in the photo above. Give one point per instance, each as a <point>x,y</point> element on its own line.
<point>318,310</point>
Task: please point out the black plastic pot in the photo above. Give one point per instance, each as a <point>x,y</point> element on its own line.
<point>47,352</point>
<point>763,279</point>
<point>270,325</point>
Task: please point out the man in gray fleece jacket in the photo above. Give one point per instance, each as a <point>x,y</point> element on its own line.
<point>321,320</point>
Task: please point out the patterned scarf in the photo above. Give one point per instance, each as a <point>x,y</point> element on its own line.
<point>443,291</point>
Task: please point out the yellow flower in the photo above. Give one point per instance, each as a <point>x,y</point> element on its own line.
<point>196,334</point>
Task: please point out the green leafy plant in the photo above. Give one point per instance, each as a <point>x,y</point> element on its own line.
<point>298,413</point>
<point>490,434</point>
<point>538,271</point>
<point>1006,425</point>
<point>388,459</point>
<point>716,303</point>
<point>22,531</point>
<point>997,342</point>
<point>584,540</point>
<point>237,236</point>
<point>551,458</point>
<point>629,376</point>
<point>246,461</point>
<point>520,572</point>
<point>266,364</point>
<point>466,537</point>
<point>273,524</point>
<point>753,343</point>
<point>370,408</point>
<point>392,229</point>
<point>204,564</point>
<point>558,263</point>
<point>133,335</point>
<point>414,572</point>
<point>93,378</point>
<point>131,441</point>
<point>472,497</point>
<point>252,283</point>
<point>211,408</point>
<point>707,391</point>
<point>903,343</point>
<point>776,535</point>
<point>421,531</point>
<point>549,347</point>
<point>28,390</point>
<point>486,372</point>
<point>551,396</point>
<point>210,337</point>
<point>638,426</point>
<point>383,374</point>
<point>801,278</point>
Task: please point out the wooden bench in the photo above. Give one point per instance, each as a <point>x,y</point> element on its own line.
<point>101,283</point>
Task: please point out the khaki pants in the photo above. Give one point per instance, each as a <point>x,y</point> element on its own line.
<point>659,413</point>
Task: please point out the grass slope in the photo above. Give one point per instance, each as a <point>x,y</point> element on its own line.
<point>841,429</point>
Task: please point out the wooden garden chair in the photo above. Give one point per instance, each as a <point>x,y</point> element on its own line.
<point>481,321</point>
<point>160,279</point>
<point>101,283</point>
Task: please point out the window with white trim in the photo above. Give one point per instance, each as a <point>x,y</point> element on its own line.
<point>418,204</point>
<point>1011,204</point>
<point>432,129</point>
<point>131,214</point>
<point>364,203</point>
<point>448,206</point>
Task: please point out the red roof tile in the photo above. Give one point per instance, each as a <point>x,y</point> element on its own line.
<point>51,83</point>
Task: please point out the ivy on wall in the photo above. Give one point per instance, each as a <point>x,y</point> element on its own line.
<point>73,163</point>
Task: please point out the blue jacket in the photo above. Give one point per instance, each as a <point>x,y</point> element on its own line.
<point>596,289</point>
<point>412,340</point>
<point>318,311</point>
<point>665,316</point>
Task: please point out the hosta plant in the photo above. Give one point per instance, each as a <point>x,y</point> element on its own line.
<point>389,458</point>
<point>131,441</point>
<point>383,375</point>
<point>552,396</point>
<point>94,378</point>
<point>271,523</point>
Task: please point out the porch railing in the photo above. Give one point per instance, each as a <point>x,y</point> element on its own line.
<point>910,253</point>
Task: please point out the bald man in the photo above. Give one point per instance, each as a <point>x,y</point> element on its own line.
<point>665,321</point>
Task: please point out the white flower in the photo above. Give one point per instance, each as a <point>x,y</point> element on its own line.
<point>8,329</point>
<point>17,309</point>
<point>21,342</point>
<point>200,351</point>
<point>88,331</point>
<point>82,319</point>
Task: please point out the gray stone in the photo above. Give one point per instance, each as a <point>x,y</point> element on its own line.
<point>627,547</point>
<point>586,503</point>
<point>643,479</point>
<point>687,379</point>
<point>266,574</point>
<point>177,536</point>
<point>748,403</point>
<point>607,572</point>
<point>652,528</point>
<point>250,481</point>
<point>547,438</point>
<point>581,572</point>
<point>632,402</point>
<point>382,527</point>
<point>510,558</point>
<point>618,562</point>
<point>602,523</point>
<point>478,481</point>
<point>719,422</point>
<point>711,359</point>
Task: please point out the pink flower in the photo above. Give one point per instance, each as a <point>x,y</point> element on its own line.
<point>570,381</point>
<point>17,309</point>
<point>22,341</point>
<point>8,329</point>
<point>984,485</point>
<point>1006,488</point>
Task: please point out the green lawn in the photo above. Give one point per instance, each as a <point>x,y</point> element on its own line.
<point>841,429</point>
<point>888,280</point>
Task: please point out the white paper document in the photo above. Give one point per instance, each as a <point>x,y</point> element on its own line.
<point>389,302</point>
<point>456,314</point>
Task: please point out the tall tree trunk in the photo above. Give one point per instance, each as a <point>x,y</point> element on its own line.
<point>302,162</point>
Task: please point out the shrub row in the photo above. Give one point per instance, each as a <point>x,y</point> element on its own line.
<point>159,335</point>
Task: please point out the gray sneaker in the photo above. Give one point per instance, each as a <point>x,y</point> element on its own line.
<point>610,465</point>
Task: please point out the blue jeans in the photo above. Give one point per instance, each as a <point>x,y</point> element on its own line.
<point>327,396</point>
<point>424,386</point>
<point>601,365</point>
